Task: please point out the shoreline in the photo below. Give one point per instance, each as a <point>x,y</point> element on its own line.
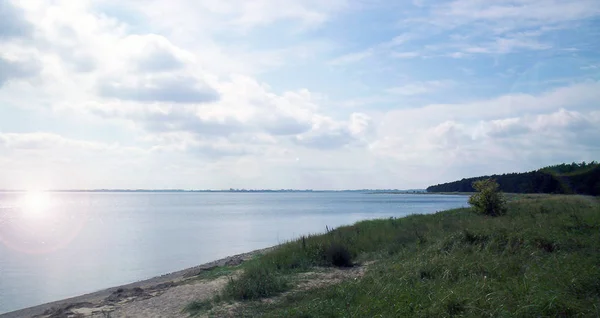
<point>162,281</point>
<point>151,285</point>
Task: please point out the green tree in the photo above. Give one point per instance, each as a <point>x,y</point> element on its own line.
<point>488,199</point>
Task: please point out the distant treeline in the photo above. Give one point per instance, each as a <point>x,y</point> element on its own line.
<point>574,178</point>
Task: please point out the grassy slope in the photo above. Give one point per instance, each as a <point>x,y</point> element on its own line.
<point>542,259</point>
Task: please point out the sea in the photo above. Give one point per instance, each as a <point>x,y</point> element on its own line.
<point>55,245</point>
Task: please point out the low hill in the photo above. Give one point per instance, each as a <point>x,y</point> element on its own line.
<point>574,178</point>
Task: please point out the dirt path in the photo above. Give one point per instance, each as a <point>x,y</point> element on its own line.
<point>172,301</point>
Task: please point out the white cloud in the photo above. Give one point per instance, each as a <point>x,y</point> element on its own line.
<point>386,47</point>
<point>457,55</point>
<point>328,134</point>
<point>207,147</point>
<point>580,96</point>
<point>352,57</point>
<point>466,26</point>
<point>364,101</point>
<point>14,70</point>
<point>263,12</point>
<point>178,17</point>
<point>397,41</point>
<point>359,124</point>
<point>506,45</point>
<point>176,89</point>
<point>154,53</point>
<point>47,160</point>
<point>590,67</point>
<point>245,107</point>
<point>563,119</point>
<point>40,141</point>
<point>195,91</point>
<point>405,55</point>
<point>535,130</point>
<point>513,14</point>
<point>508,127</point>
<point>460,149</point>
<point>419,88</point>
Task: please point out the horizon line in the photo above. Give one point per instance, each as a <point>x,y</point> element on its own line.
<point>207,190</point>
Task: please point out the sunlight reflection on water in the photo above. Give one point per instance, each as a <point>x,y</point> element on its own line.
<point>35,223</point>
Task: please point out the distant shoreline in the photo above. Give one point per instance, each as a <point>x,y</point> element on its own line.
<point>420,192</point>
<point>219,191</point>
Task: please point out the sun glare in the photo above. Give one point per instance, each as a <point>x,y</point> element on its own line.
<point>36,205</point>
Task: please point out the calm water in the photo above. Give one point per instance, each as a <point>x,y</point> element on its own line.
<point>59,245</point>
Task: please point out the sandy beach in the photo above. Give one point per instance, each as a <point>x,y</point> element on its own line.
<point>162,296</point>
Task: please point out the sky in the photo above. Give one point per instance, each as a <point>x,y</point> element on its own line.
<point>320,94</point>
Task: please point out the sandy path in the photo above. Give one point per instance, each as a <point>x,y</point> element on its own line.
<point>171,302</point>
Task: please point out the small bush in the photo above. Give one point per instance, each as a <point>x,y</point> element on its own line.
<point>256,282</point>
<point>338,255</point>
<point>488,200</point>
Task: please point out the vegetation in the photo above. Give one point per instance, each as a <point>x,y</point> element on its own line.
<point>256,282</point>
<point>266,276</point>
<point>574,178</point>
<point>539,259</point>
<point>572,168</point>
<point>488,200</point>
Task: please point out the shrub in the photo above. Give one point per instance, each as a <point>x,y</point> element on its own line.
<point>488,200</point>
<point>338,255</point>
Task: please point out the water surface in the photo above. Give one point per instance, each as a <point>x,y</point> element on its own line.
<point>54,246</point>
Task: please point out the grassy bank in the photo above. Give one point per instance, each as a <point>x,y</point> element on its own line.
<point>541,259</point>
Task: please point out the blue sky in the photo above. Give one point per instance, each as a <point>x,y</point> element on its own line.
<point>334,94</point>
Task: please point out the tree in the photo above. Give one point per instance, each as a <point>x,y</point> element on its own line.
<point>488,199</point>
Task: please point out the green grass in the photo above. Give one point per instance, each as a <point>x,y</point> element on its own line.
<point>256,282</point>
<point>542,259</point>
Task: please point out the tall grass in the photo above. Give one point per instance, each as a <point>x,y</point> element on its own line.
<point>256,282</point>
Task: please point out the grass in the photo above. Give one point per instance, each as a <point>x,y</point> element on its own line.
<point>256,282</point>
<point>541,259</point>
